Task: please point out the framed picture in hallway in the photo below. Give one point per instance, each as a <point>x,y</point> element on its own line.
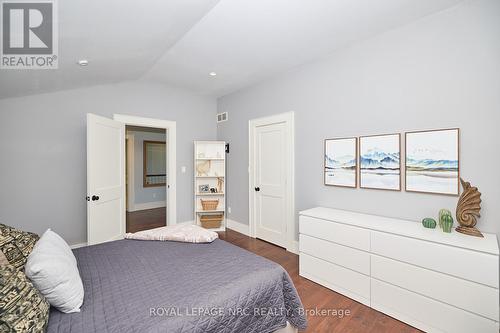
<point>432,161</point>
<point>380,162</point>
<point>340,162</point>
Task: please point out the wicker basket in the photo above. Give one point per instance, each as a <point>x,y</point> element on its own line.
<point>209,204</point>
<point>211,221</point>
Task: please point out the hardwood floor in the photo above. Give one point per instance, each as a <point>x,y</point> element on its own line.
<point>361,319</point>
<point>146,219</point>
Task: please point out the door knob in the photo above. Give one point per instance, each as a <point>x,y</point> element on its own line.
<point>95,197</point>
<point>257,189</point>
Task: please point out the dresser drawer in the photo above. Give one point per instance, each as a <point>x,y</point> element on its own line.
<point>345,281</point>
<point>470,265</point>
<point>358,238</point>
<point>470,296</point>
<point>337,254</point>
<point>425,313</point>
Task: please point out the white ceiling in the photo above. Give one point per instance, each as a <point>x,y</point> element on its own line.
<point>122,39</point>
<point>245,41</point>
<point>180,41</point>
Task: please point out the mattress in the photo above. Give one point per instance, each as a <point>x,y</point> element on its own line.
<point>152,286</point>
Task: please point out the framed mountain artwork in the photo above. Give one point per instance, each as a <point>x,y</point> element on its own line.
<point>380,162</point>
<point>432,161</point>
<point>341,162</point>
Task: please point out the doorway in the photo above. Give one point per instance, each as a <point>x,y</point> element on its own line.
<point>271,181</point>
<point>146,176</point>
<point>106,174</point>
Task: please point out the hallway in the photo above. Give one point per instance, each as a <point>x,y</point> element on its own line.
<point>146,219</point>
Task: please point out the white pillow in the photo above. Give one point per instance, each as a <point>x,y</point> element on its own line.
<point>53,270</point>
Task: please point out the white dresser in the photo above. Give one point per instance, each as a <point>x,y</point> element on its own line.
<point>434,281</point>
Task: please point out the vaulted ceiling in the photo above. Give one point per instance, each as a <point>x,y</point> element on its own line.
<point>121,39</point>
<point>179,42</point>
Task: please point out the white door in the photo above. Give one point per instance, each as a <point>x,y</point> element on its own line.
<point>270,182</point>
<point>105,179</point>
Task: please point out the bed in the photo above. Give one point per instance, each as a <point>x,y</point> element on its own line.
<point>151,286</point>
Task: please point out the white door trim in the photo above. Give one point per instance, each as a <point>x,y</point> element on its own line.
<point>131,171</point>
<point>289,119</point>
<point>171,134</point>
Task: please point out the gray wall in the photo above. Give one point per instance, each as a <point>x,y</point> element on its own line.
<point>145,194</point>
<point>43,150</point>
<point>442,71</point>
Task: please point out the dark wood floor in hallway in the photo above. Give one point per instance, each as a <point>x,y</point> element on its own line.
<point>362,319</point>
<point>146,219</point>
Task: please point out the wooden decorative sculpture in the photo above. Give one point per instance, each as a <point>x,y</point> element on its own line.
<point>202,168</point>
<point>220,184</point>
<point>468,208</point>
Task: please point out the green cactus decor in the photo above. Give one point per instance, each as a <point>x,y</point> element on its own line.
<point>447,223</point>
<point>429,223</point>
<point>442,214</point>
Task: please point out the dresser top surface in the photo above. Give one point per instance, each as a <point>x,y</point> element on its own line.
<point>407,228</point>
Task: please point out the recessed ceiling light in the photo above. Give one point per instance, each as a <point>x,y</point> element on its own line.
<point>83,62</point>
<point>212,74</point>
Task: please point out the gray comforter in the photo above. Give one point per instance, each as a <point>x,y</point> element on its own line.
<point>151,286</point>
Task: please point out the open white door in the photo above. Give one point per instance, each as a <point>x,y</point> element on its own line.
<point>105,179</point>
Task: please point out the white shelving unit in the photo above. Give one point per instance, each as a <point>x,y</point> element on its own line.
<point>211,155</point>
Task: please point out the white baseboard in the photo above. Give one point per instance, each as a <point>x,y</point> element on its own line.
<point>147,205</point>
<point>238,227</point>
<point>76,246</point>
<point>245,230</point>
<point>186,222</point>
<point>293,247</point>
<point>231,224</point>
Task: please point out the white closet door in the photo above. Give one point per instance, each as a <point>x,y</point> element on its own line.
<point>270,183</point>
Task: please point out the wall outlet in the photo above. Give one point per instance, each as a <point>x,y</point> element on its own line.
<point>183,169</point>
<point>229,210</point>
<point>154,195</point>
